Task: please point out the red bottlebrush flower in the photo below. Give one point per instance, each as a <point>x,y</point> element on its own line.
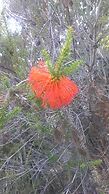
<point>54,92</point>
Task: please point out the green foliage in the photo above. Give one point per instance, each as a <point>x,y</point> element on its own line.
<point>4,82</point>
<point>34,122</point>
<point>82,165</point>
<point>15,53</point>
<point>53,158</point>
<point>67,70</point>
<point>36,102</point>
<point>65,50</point>
<point>91,164</point>
<point>6,116</point>
<point>105,42</point>
<point>2,117</point>
<point>13,113</point>
<point>47,57</point>
<point>103,20</point>
<point>59,68</point>
<point>11,148</point>
<point>48,61</point>
<point>95,163</point>
<point>19,57</point>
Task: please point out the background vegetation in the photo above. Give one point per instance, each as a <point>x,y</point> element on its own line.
<point>45,151</point>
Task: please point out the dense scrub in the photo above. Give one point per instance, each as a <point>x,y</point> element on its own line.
<point>44,151</point>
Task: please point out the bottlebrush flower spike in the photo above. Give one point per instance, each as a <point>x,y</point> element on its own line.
<point>54,91</point>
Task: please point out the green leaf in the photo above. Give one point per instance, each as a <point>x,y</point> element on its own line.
<point>95,163</point>
<point>2,117</point>
<point>13,113</point>
<point>92,163</point>
<point>48,60</point>
<point>83,165</point>
<point>65,50</point>
<point>52,158</point>
<point>72,67</point>
<point>6,116</point>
